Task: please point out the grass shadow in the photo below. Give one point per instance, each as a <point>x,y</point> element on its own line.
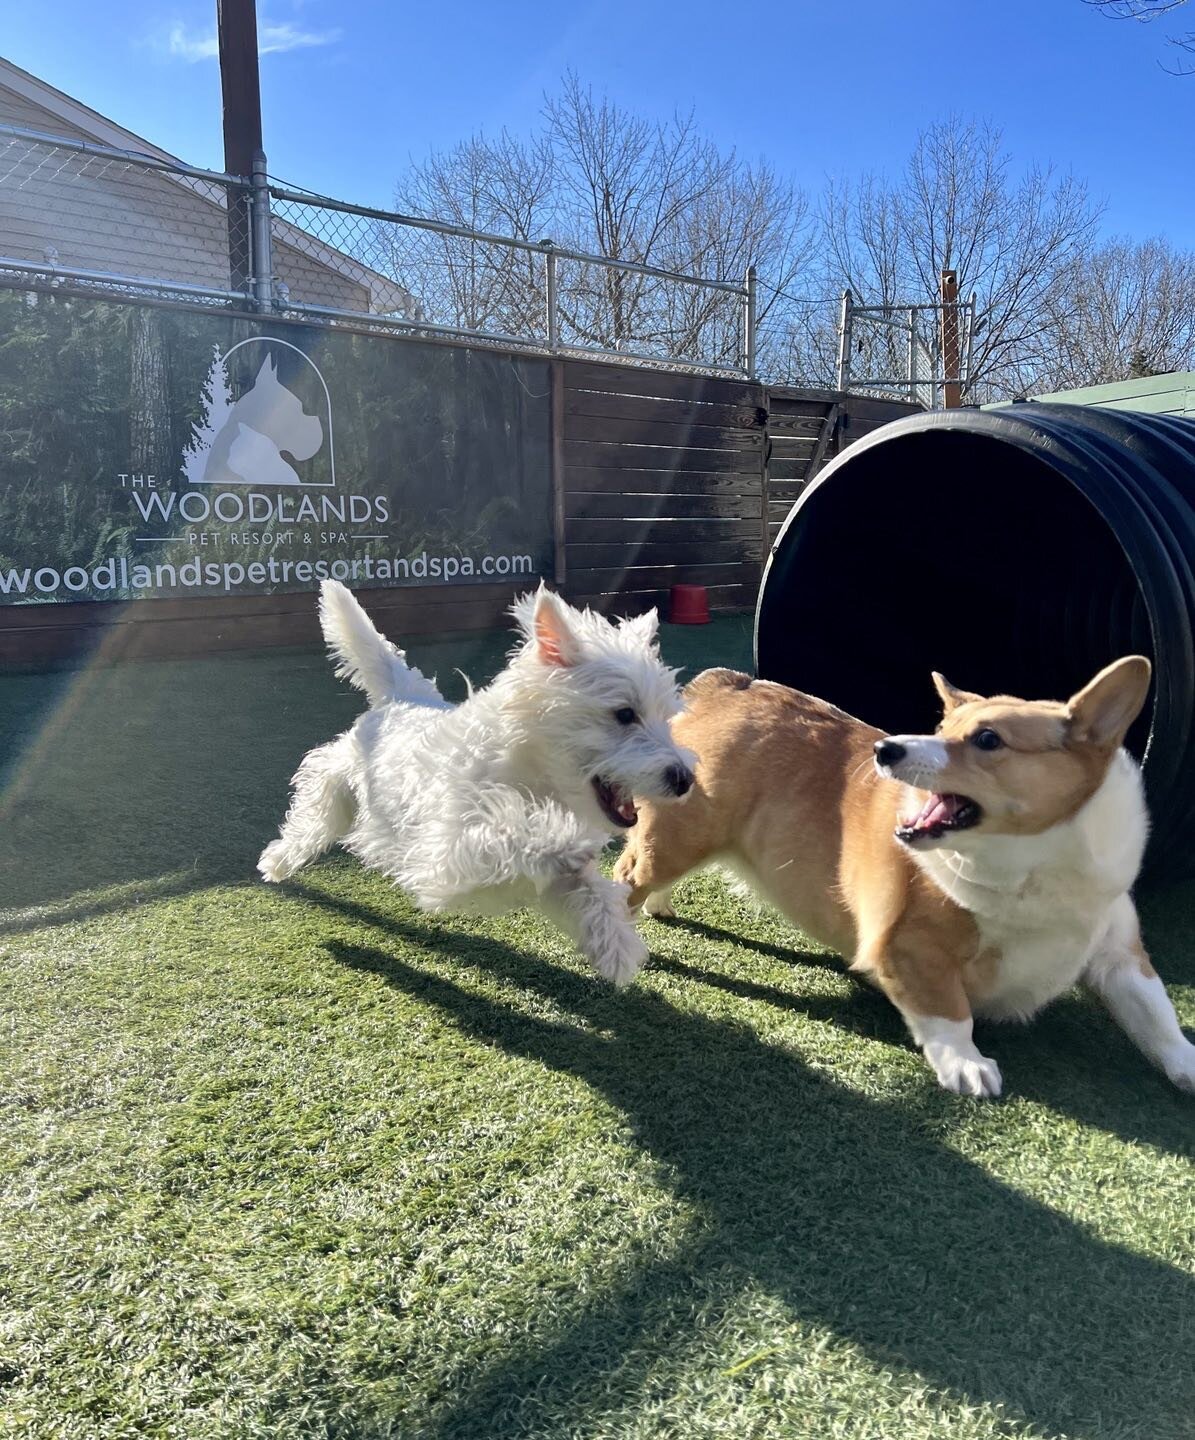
<point>720,936</point>
<point>845,1207</point>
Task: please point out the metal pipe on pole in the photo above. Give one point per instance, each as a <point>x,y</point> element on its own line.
<point>952,390</point>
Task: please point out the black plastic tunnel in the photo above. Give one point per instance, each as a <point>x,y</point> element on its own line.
<point>1016,550</point>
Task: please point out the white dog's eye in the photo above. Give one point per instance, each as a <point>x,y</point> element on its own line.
<point>986,740</point>
<point>625,716</point>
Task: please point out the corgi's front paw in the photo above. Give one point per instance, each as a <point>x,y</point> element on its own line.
<point>659,905</point>
<point>965,1074</point>
<point>1179,1065</point>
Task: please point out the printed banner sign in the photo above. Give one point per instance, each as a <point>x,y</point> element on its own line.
<point>153,452</point>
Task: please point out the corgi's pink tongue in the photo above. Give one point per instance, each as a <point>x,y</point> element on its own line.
<point>937,810</point>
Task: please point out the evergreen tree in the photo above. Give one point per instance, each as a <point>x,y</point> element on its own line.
<point>217,405</point>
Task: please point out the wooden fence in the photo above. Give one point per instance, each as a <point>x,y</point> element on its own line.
<point>668,478</point>
<point>659,477</point>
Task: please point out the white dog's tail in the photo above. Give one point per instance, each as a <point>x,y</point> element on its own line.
<point>367,659</point>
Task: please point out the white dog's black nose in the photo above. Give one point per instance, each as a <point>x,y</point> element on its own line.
<point>889,752</point>
<point>678,779</point>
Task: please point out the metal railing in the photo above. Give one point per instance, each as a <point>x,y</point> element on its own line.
<point>903,350</point>
<point>74,213</point>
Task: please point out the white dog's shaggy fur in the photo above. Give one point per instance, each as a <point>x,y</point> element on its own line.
<point>508,798</point>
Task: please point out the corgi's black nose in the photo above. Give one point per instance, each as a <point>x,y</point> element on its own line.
<point>678,779</point>
<point>889,752</point>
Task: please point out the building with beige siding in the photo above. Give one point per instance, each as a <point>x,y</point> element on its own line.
<point>100,214</point>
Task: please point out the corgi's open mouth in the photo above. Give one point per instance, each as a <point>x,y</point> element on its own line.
<point>617,806</point>
<point>939,815</point>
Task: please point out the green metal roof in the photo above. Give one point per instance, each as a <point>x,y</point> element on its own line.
<point>1153,394</point>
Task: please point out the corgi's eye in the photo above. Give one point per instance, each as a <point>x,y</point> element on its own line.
<point>625,716</point>
<point>986,740</point>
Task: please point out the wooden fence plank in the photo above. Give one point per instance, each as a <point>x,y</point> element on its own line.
<point>669,385</point>
<point>639,532</point>
<point>109,612</point>
<point>651,407</point>
<point>647,577</point>
<point>583,506</point>
<point>594,479</point>
<point>185,638</point>
<point>661,431</point>
<point>659,457</point>
<point>788,471</point>
<point>787,490</point>
<point>721,597</point>
<point>609,556</point>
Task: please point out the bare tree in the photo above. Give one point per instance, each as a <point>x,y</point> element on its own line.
<point>497,186</point>
<point>1013,239</point>
<point>1149,10</point>
<point>602,180</point>
<point>1125,308</point>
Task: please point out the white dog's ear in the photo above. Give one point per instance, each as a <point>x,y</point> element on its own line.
<point>555,642</point>
<point>643,627</point>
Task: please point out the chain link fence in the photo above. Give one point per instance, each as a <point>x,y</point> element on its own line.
<point>84,215</point>
<point>446,278</point>
<point>75,212</point>
<point>78,214</point>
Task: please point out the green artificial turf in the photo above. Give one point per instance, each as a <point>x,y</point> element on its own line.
<point>300,1161</point>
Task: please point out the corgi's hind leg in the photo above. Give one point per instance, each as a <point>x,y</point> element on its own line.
<point>322,810</point>
<point>1121,975</point>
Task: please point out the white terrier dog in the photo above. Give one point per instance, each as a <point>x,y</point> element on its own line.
<point>508,798</point>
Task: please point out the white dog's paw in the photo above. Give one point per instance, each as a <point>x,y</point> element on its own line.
<point>1179,1065</point>
<point>621,956</point>
<point>659,904</point>
<point>965,1074</point>
<point>274,864</point>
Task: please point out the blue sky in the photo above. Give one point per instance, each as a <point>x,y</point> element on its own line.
<point>352,90</point>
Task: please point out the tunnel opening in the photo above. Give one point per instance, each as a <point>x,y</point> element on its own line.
<point>948,550</point>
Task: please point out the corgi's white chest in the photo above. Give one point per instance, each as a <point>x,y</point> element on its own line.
<point>1043,904</point>
<point>1024,964</point>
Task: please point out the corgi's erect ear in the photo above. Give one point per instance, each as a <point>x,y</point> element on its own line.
<point>552,631</point>
<point>952,698</point>
<point>1101,713</point>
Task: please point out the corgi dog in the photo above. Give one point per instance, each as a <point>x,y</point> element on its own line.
<point>980,870</point>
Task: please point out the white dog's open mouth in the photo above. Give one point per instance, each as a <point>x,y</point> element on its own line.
<point>938,816</point>
<point>617,806</point>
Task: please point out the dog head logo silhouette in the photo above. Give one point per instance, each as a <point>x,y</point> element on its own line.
<point>248,441</point>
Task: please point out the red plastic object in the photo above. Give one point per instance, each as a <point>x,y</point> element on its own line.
<point>689,605</point>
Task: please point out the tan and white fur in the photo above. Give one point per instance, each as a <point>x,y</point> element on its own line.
<point>982,870</point>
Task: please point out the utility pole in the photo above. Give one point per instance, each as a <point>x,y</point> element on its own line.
<point>241,89</point>
<point>952,390</point>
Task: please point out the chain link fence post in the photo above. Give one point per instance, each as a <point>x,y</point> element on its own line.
<point>551,298</point>
<point>750,321</point>
<point>844,343</point>
<point>261,253</point>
